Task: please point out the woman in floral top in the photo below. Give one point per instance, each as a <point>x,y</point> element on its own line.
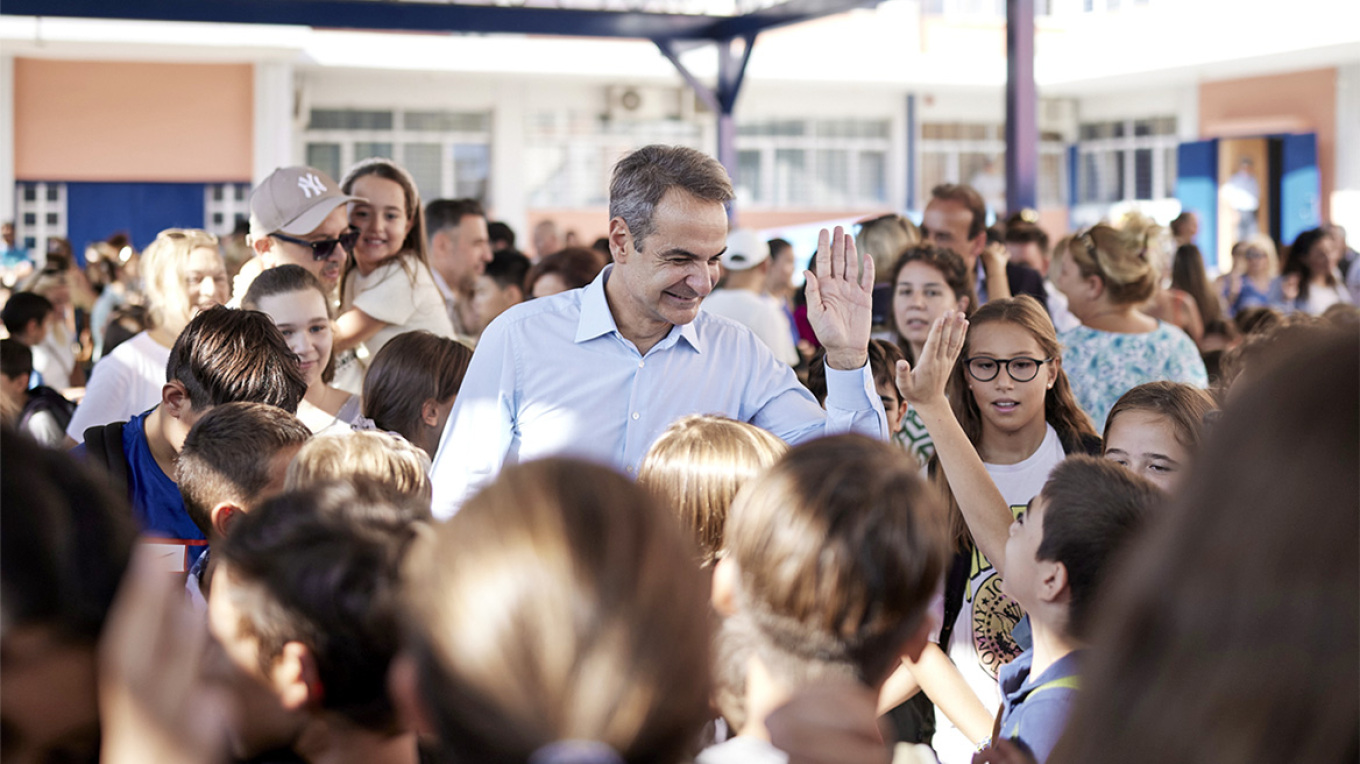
<point>1117,347</point>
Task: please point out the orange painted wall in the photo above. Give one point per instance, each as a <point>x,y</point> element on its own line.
<point>1299,102</point>
<point>132,121</point>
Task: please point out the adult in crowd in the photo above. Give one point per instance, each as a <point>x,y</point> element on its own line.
<point>1255,264</point>
<point>602,371</point>
<point>547,240</point>
<point>502,236</point>
<point>1167,303</point>
<point>298,217</point>
<point>60,353</point>
<point>746,264</point>
<point>183,274</point>
<point>15,261</point>
<point>1028,244</point>
<point>956,218</point>
<point>1118,346</point>
<point>779,287</point>
<point>1310,282</point>
<point>460,248</point>
<point>500,286</point>
<point>1189,277</point>
<point>570,268</point>
<point>884,238</point>
<point>387,287</point>
<point>1184,228</point>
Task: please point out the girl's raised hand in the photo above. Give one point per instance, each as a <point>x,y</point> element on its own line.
<point>926,382</point>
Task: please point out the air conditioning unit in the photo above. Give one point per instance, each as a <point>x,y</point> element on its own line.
<point>631,103</point>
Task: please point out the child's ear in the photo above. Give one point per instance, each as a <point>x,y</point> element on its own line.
<point>403,687</point>
<point>724,594</point>
<point>296,680</point>
<point>1053,581</point>
<point>174,398</point>
<point>1052,371</point>
<point>429,412</point>
<point>223,516</point>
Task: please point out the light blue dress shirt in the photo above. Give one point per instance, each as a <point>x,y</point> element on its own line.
<point>554,377</point>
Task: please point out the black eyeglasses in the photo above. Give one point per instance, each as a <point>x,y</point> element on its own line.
<point>321,250</point>
<point>1021,369</point>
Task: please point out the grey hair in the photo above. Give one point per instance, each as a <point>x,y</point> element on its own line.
<point>643,177</point>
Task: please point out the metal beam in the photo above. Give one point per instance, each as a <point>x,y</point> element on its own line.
<point>384,15</point>
<point>1022,108</point>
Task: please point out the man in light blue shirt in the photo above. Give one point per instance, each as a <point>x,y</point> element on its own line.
<point>600,372</point>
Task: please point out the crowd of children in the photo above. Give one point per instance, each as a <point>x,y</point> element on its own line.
<point>1004,543</point>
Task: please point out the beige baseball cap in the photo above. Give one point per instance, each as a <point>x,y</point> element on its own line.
<point>745,249</point>
<point>295,200</point>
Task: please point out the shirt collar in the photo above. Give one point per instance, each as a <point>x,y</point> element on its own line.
<point>597,320</point>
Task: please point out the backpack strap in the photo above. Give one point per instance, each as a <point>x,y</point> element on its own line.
<point>104,445</point>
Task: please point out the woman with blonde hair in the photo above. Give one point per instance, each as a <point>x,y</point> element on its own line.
<point>1107,278</point>
<point>183,274</point>
<point>885,238</point>
<point>558,617</point>
<point>1255,264</point>
<point>696,467</point>
<point>387,287</point>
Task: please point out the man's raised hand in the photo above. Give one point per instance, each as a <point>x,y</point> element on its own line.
<point>840,299</point>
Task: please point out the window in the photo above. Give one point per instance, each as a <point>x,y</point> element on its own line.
<point>40,214</point>
<point>954,152</point>
<point>447,152</point>
<point>1127,160</point>
<point>569,154</point>
<point>827,164</point>
<point>224,204</point>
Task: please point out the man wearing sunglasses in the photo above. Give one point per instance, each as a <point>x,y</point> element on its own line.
<point>298,216</point>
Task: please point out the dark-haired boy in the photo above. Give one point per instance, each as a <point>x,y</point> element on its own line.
<point>304,601</point>
<point>233,459</point>
<point>499,287</point>
<point>224,355</point>
<point>833,556</point>
<point>25,316</point>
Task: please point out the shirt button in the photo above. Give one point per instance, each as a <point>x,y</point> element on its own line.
<point>636,415</point>
<point>629,468</point>
<point>641,364</point>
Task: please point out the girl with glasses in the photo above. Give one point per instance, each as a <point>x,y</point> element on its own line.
<point>387,287</point>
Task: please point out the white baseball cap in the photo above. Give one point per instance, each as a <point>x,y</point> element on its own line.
<point>744,250</point>
<point>295,200</point>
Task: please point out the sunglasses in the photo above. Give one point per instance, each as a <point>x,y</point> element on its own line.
<point>321,250</point>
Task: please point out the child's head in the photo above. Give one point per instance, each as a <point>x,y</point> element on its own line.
<point>559,604</point>
<point>184,273</point>
<point>696,467</point>
<point>297,303</point>
<point>883,358</point>
<point>927,281</point>
<point>989,395</point>
<point>226,355</point>
<point>411,385</point>
<point>834,554</point>
<point>16,367</point>
<point>1155,429</point>
<point>1060,548</point>
<point>25,317</point>
<point>233,459</point>
<point>304,599</point>
<point>399,468</point>
<point>391,222</point>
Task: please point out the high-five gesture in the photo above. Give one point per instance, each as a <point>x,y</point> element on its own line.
<point>925,384</point>
<point>840,300</point>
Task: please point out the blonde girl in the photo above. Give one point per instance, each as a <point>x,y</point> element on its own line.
<point>184,273</point>
<point>387,287</point>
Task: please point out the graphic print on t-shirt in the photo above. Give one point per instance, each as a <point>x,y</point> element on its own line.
<point>994,614</point>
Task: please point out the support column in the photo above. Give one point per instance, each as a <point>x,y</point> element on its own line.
<point>7,178</point>
<point>1022,108</point>
<point>273,128</point>
<point>508,197</point>
<point>913,135</point>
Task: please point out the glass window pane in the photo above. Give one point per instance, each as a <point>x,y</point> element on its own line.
<point>873,176</point>
<point>324,157</point>
<point>749,176</point>
<point>1169,173</point>
<point>52,191</point>
<point>51,218</point>
<point>1142,174</point>
<point>30,219</point>
<point>447,121</point>
<point>1115,191</point>
<point>790,176</point>
<point>833,177</point>
<point>471,170</point>
<point>425,162</point>
<point>349,119</point>
<point>30,192</point>
<point>365,149</point>
<point>217,193</point>
<point>241,192</point>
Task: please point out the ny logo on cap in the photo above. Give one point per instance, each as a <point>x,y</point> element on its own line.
<point>311,185</point>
